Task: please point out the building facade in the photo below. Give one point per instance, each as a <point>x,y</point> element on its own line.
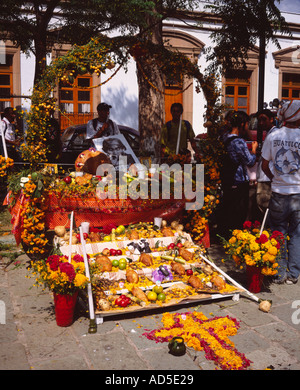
<point>239,88</point>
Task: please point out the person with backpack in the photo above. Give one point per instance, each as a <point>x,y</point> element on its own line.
<point>101,126</point>
<point>170,133</point>
<point>234,177</point>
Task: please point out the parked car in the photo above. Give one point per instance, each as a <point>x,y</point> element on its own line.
<point>74,141</point>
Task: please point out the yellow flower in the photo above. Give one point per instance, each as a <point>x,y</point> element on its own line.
<point>254,246</point>
<point>273,250</point>
<point>265,232</point>
<point>80,280</point>
<point>232,240</point>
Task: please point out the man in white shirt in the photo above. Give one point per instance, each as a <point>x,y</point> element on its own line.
<point>263,188</point>
<point>8,130</point>
<point>101,126</point>
<point>281,163</point>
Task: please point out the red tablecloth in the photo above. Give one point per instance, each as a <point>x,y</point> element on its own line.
<point>116,211</point>
<point>101,213</point>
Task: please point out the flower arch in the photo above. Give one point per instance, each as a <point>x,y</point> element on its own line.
<point>99,54</point>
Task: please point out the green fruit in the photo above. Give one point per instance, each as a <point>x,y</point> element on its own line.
<point>122,265</point>
<point>120,229</point>
<point>115,263</point>
<point>158,289</point>
<point>106,238</point>
<point>34,176</point>
<point>161,297</point>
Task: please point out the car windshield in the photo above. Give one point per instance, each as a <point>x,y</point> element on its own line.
<point>67,134</point>
<point>74,139</point>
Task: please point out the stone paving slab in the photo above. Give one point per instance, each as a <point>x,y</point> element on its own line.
<point>31,340</point>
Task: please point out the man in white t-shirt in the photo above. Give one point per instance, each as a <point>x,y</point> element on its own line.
<point>282,150</point>
<point>8,130</point>
<point>263,189</point>
<point>101,126</point>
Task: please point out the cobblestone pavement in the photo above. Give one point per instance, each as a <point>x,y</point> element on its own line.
<point>31,340</point>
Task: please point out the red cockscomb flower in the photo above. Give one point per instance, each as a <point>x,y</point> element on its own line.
<point>247,225</point>
<point>53,262</point>
<point>78,258</point>
<point>68,269</point>
<point>262,239</point>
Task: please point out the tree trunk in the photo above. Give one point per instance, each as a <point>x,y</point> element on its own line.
<point>151,111</point>
<point>151,100</point>
<point>40,57</point>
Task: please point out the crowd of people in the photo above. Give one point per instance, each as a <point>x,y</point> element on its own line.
<point>276,180</point>
<point>263,183</point>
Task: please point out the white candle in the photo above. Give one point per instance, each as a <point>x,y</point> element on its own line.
<point>4,145</point>
<point>70,240</point>
<point>179,135</point>
<point>157,222</point>
<point>85,227</point>
<point>264,221</point>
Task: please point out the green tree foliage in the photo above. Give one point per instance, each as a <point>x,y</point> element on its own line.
<point>244,22</point>
<point>36,26</point>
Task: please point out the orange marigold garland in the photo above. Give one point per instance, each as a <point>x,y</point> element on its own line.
<point>5,163</point>
<point>33,216</point>
<point>201,333</point>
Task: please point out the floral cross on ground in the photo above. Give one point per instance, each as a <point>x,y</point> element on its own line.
<point>201,333</point>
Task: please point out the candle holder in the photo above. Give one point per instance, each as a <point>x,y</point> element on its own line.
<point>93,326</point>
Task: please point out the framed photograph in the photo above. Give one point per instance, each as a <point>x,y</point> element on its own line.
<point>51,168</point>
<point>114,147</point>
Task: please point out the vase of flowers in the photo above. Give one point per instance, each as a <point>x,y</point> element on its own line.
<point>257,251</point>
<point>64,305</point>
<point>64,278</point>
<point>255,278</point>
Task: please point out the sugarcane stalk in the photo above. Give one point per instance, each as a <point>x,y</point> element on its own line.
<point>171,258</point>
<point>136,300</point>
<point>250,294</point>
